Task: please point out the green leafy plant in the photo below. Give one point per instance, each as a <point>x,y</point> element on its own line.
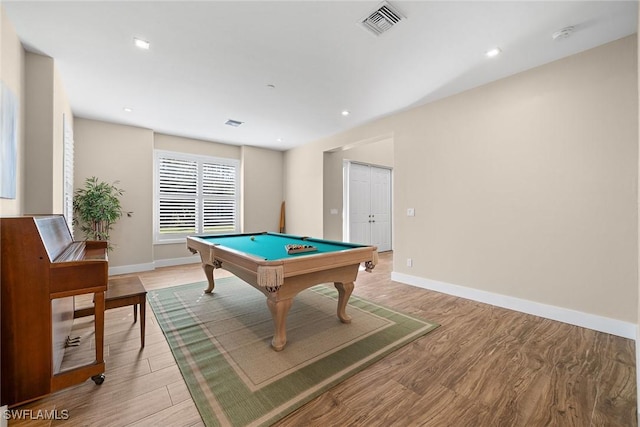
<point>97,207</point>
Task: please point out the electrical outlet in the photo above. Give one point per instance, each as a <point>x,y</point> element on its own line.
<point>409,262</point>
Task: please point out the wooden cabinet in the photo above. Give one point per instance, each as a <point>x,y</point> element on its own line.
<point>41,270</point>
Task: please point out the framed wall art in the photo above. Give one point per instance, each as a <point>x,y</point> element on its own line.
<point>8,142</point>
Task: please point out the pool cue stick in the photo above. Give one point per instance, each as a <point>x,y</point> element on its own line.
<point>282,217</point>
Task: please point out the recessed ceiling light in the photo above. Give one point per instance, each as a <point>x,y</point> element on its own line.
<point>279,140</point>
<point>142,44</point>
<point>345,113</point>
<point>493,52</point>
<point>270,86</point>
<point>127,109</point>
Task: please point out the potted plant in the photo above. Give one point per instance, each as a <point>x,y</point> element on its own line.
<point>97,207</point>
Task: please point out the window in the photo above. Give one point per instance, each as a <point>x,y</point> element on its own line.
<point>193,195</point>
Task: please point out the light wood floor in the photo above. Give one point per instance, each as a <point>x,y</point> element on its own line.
<point>485,366</point>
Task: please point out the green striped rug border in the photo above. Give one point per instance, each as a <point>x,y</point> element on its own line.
<point>222,399</point>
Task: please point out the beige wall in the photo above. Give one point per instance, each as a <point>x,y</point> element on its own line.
<point>526,187</point>
<point>46,106</point>
<point>262,189</point>
<point>378,152</point>
<point>39,132</point>
<point>303,190</point>
<point>195,146</point>
<point>121,153</point>
<point>12,74</point>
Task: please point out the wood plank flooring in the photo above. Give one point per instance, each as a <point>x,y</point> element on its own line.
<point>485,366</point>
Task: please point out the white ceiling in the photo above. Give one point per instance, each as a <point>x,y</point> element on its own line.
<point>211,61</point>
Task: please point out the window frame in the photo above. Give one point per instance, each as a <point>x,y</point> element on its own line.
<point>200,160</point>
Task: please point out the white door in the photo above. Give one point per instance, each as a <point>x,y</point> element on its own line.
<point>369,205</point>
<point>359,204</point>
<point>381,208</point>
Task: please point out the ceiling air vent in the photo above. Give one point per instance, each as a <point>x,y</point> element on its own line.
<point>382,19</point>
<point>234,123</point>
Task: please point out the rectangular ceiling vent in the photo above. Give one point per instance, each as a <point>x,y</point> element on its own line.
<point>382,19</point>
<point>234,123</point>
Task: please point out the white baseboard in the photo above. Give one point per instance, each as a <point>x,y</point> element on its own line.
<point>150,266</point>
<point>565,315</point>
<point>638,371</point>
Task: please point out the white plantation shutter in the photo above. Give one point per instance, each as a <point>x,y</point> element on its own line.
<point>219,197</point>
<point>177,215</point>
<point>178,176</point>
<point>194,195</point>
<point>68,171</point>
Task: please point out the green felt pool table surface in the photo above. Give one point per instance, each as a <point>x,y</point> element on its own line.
<point>272,246</point>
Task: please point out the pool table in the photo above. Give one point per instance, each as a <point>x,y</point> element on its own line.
<point>262,260</point>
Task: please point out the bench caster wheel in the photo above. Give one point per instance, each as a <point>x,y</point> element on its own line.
<point>98,379</point>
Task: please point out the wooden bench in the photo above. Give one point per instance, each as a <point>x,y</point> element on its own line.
<point>122,292</point>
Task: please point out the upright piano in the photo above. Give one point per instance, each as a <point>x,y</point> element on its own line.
<point>41,271</point>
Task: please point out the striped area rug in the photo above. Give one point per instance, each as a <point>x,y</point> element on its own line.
<point>221,342</point>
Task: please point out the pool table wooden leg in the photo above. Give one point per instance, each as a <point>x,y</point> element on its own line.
<point>344,292</point>
<point>208,271</point>
<point>279,310</point>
